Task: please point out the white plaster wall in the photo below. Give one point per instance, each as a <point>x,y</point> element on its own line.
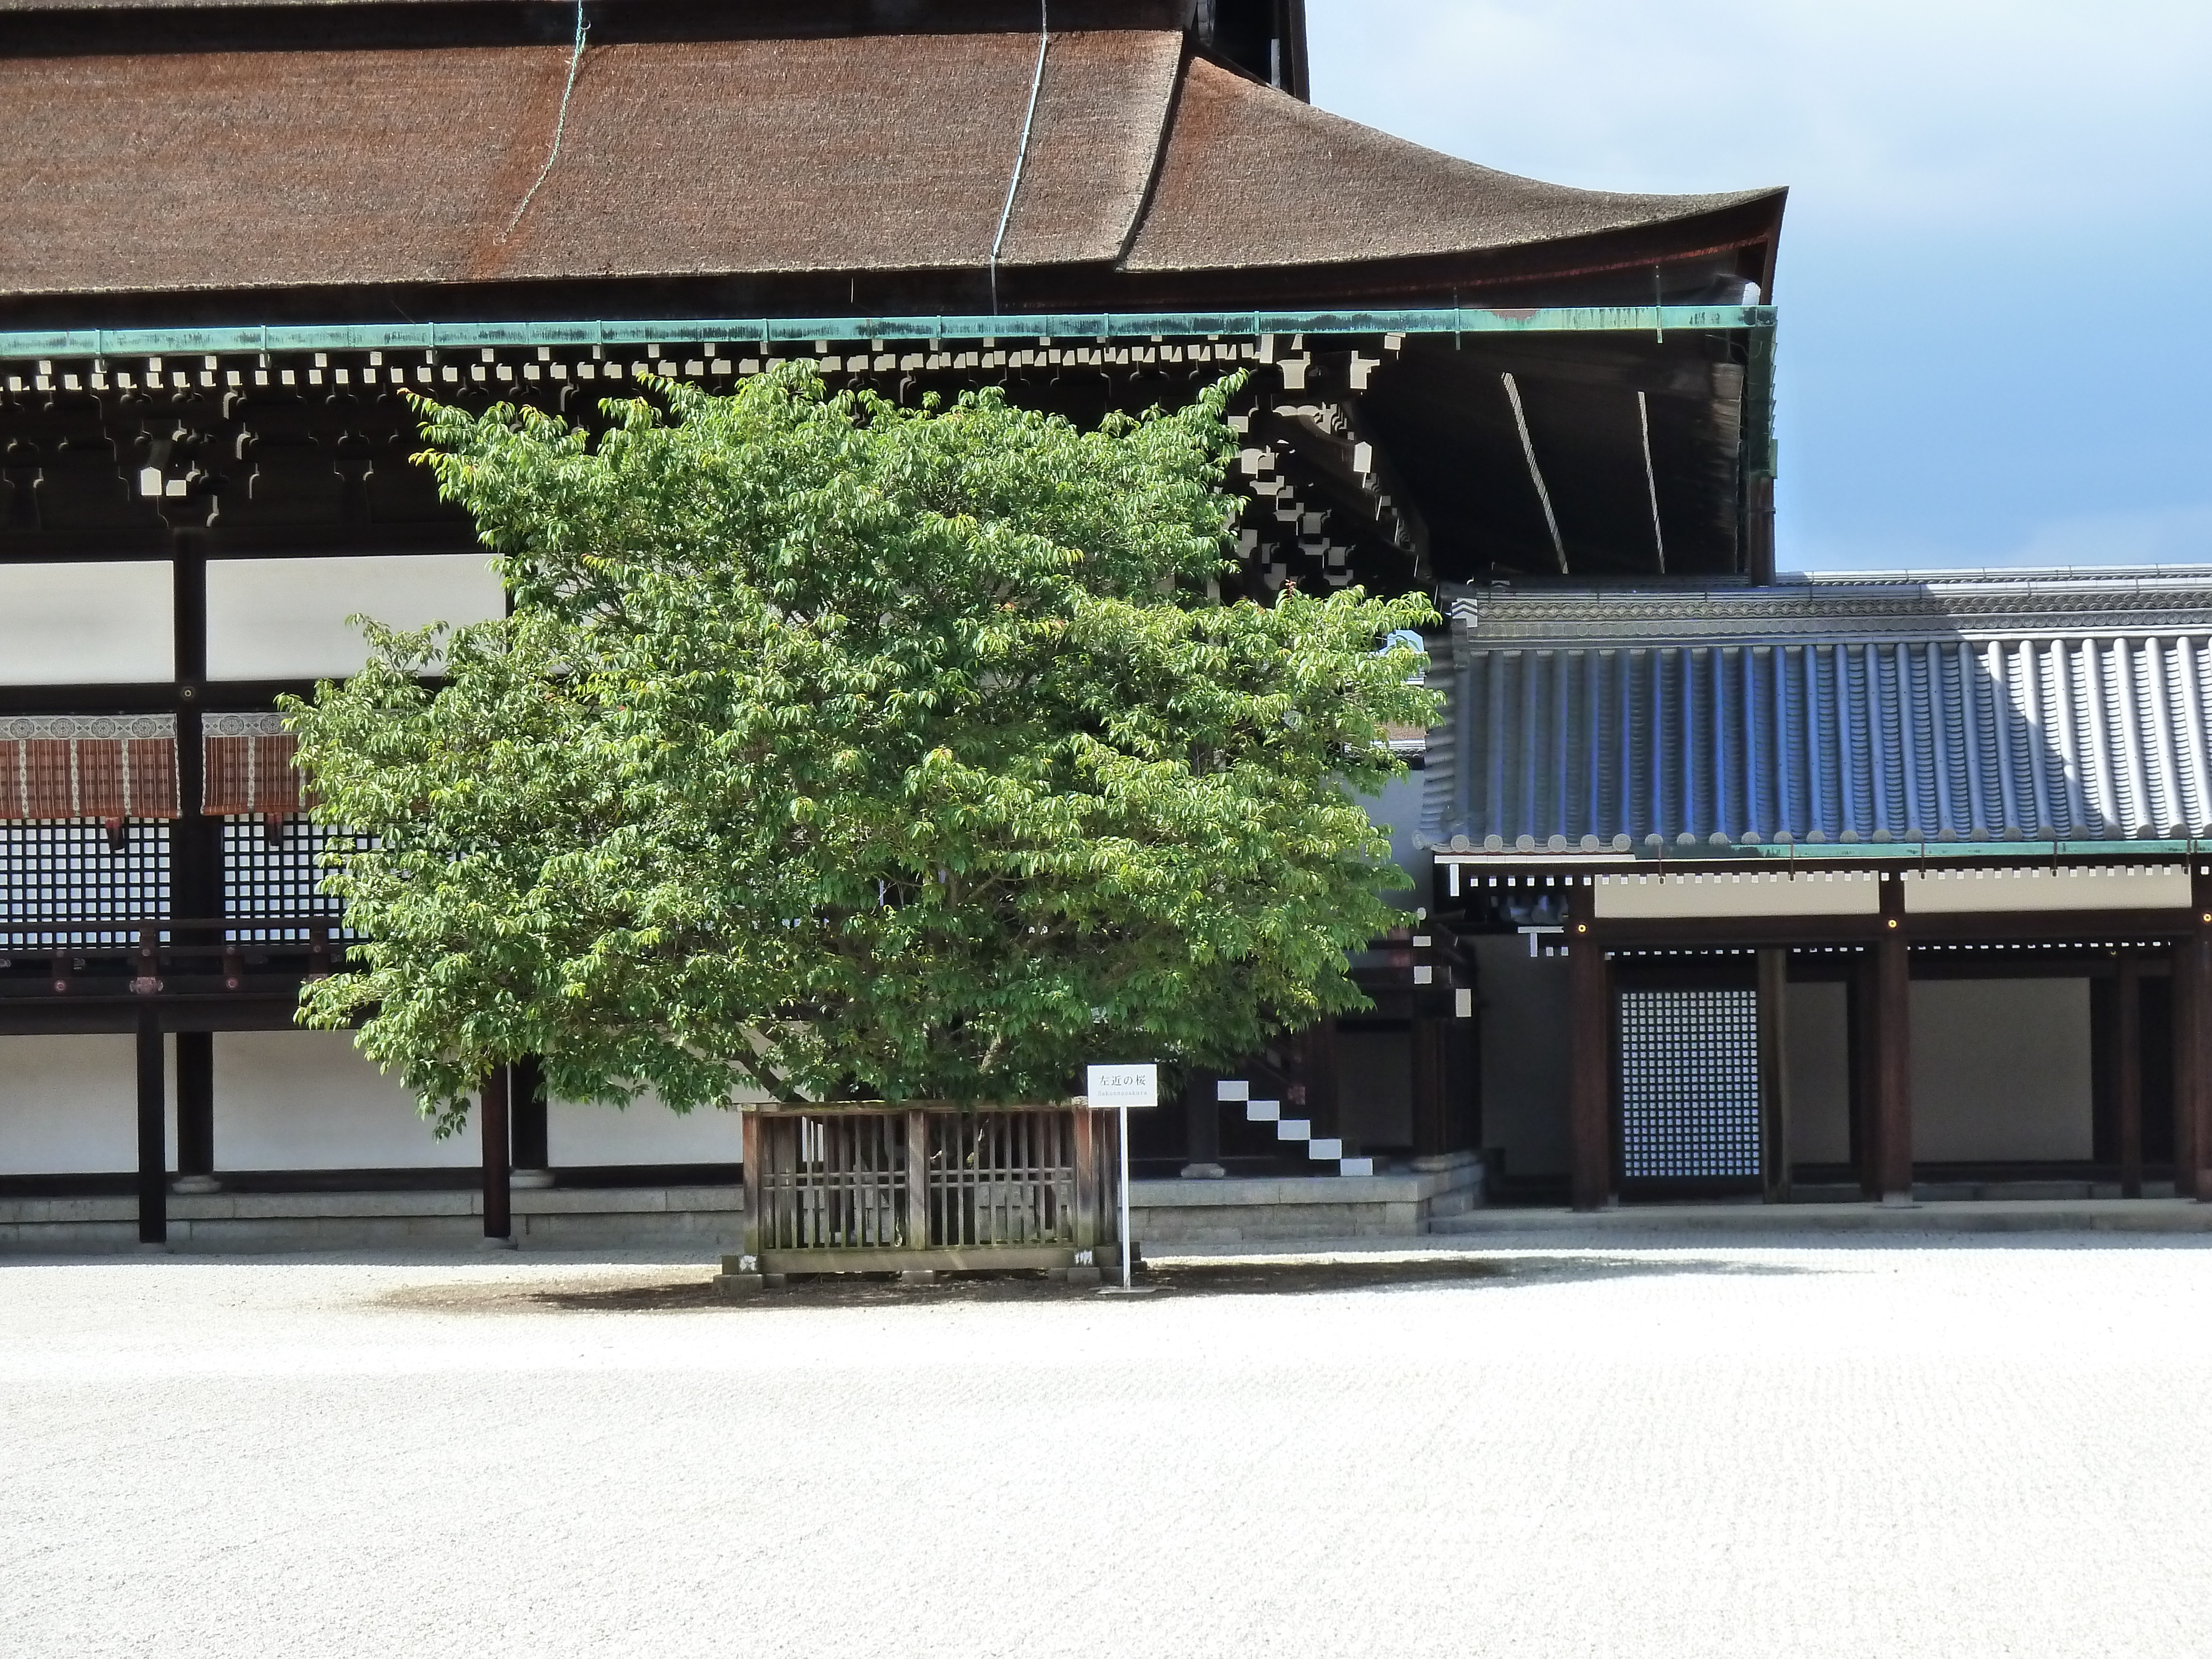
<point>81,624</point>
<point>1746,893</point>
<point>1818,1053</point>
<point>2001,1070</point>
<point>644,1131</point>
<point>277,619</point>
<point>307,1100</point>
<point>1524,1054</point>
<point>69,1105</point>
<point>2095,888</point>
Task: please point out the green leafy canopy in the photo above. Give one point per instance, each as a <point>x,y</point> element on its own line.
<point>835,749</point>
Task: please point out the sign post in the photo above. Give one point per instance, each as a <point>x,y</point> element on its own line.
<point>1122,1087</point>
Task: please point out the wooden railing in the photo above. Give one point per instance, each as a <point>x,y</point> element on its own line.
<point>868,1189</point>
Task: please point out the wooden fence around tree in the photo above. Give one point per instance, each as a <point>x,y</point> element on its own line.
<point>876,1189</point>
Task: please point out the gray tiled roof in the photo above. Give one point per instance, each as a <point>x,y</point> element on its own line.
<point>1968,707</point>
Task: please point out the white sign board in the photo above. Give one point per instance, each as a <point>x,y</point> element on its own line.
<point>1123,1088</point>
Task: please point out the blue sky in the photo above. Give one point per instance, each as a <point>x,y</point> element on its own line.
<point>1996,269</point>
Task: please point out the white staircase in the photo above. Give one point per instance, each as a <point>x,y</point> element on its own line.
<point>1327,1150</point>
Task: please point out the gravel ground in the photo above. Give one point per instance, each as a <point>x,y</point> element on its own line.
<point>1949,1449</point>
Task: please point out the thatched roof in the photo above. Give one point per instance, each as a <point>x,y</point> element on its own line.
<point>238,171</point>
<point>1250,176</point>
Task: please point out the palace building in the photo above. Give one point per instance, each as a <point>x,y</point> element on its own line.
<point>1724,882</point>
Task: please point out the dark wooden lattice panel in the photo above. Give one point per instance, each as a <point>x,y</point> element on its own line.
<point>1001,1178</point>
<point>1689,1085</point>
<point>837,1181</point>
<point>274,876</point>
<point>57,877</point>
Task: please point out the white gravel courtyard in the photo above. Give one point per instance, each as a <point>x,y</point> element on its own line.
<point>1947,1450</point>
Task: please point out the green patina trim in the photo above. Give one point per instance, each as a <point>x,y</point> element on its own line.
<point>1930,852</point>
<point>1838,852</point>
<point>31,344</point>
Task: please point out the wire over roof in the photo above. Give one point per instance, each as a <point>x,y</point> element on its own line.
<point>1829,710</point>
<point>241,169</point>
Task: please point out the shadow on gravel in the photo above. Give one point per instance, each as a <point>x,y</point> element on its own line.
<point>678,1291</point>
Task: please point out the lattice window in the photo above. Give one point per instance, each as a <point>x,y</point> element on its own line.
<point>274,876</point>
<point>1689,1084</point>
<point>54,873</point>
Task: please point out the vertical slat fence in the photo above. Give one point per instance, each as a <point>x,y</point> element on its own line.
<point>863,1182</point>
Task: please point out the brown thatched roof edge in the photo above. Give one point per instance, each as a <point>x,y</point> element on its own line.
<point>752,160</point>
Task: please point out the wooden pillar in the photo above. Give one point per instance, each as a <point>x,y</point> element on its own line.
<point>755,1232</point>
<point>1589,1061</point>
<point>1317,1073</point>
<point>196,1112</point>
<point>1893,1046</point>
<point>1087,1178</point>
<point>1759,528</point>
<point>1202,1127</point>
<point>2193,1035</point>
<point>195,891</point>
<point>1774,1154</point>
<point>917,1180</point>
<point>2126,1059</point>
<point>153,1132</point>
<point>492,1129</point>
<point>194,839</point>
<point>1106,1137</point>
<point>1862,1006</point>
<point>1431,1072</point>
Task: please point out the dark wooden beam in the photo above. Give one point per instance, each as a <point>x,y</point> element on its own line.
<point>1748,933</point>
<point>2047,926</point>
<point>1774,1075</point>
<point>2127,1073</point>
<point>1892,1039</point>
<point>75,1014</point>
<point>153,1132</point>
<point>1590,1075</point>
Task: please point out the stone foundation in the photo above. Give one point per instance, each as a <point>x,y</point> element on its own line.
<point>1399,1205</point>
<point>703,1219</point>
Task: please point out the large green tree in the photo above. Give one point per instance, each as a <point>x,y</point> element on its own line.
<point>842,750</point>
